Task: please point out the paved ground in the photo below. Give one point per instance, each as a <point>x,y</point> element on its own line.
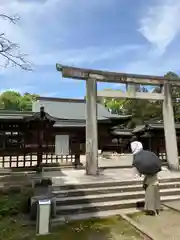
<point>174,204</point>
<point>113,160</point>
<point>164,226</point>
<point>71,176</point>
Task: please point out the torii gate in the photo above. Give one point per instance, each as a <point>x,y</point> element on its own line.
<point>92,76</point>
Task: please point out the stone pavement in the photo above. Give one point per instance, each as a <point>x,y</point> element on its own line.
<point>112,160</point>
<point>164,226</point>
<point>72,176</point>
<point>173,204</point>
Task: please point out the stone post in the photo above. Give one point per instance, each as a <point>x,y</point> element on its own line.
<point>169,129</point>
<point>91,128</point>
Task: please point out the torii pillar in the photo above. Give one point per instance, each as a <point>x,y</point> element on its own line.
<point>169,129</point>
<point>91,127</point>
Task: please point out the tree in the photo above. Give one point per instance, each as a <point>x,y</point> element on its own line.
<point>175,91</point>
<point>115,106</point>
<point>141,110</point>
<point>134,107</point>
<point>12,100</point>
<point>26,101</point>
<point>10,51</point>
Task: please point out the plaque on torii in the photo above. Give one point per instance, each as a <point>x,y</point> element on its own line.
<point>94,76</point>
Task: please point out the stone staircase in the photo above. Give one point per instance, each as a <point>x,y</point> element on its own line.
<point>106,198</point>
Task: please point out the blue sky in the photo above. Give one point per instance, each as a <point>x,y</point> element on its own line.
<point>119,35</point>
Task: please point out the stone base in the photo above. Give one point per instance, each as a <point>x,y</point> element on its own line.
<point>42,190</point>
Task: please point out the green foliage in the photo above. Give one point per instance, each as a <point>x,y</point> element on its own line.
<point>16,228</point>
<point>14,202</point>
<point>12,100</point>
<point>114,105</point>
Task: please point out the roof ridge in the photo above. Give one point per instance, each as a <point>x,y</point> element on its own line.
<point>56,99</point>
<point>14,111</point>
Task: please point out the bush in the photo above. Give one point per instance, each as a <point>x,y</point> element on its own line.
<point>13,203</point>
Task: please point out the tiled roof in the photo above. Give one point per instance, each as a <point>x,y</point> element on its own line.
<point>122,132</point>
<point>6,114</point>
<point>71,109</point>
<point>139,128</point>
<point>151,126</point>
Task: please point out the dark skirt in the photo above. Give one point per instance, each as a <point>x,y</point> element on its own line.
<point>152,194</point>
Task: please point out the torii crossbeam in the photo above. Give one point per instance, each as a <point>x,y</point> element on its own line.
<point>92,76</point>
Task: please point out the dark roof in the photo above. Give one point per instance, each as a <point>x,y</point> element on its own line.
<point>70,124</point>
<point>139,128</point>
<point>151,126</point>
<point>122,132</point>
<point>19,115</point>
<point>71,109</point>
<point>64,112</point>
<point>6,114</point>
<point>28,116</point>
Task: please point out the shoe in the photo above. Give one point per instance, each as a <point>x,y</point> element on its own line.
<point>157,212</point>
<point>150,213</point>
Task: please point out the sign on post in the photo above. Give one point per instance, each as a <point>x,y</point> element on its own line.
<point>43,217</point>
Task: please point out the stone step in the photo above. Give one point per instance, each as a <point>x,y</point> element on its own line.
<point>64,201</point>
<point>90,215</point>
<point>111,189</point>
<point>104,183</point>
<point>104,206</point>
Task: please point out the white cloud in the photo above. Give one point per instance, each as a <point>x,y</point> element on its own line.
<point>22,89</point>
<point>89,55</point>
<point>160,24</point>
<point>32,16</point>
<point>38,17</point>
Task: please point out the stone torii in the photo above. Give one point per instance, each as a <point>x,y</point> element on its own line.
<point>93,76</point>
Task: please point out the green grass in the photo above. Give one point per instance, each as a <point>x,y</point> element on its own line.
<point>14,228</point>
<point>114,228</point>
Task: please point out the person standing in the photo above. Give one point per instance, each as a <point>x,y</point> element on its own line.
<point>152,195</point>
<point>150,183</point>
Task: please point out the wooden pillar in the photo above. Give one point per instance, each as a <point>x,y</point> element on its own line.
<point>40,150</point>
<point>169,129</point>
<point>91,128</point>
<point>76,151</point>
